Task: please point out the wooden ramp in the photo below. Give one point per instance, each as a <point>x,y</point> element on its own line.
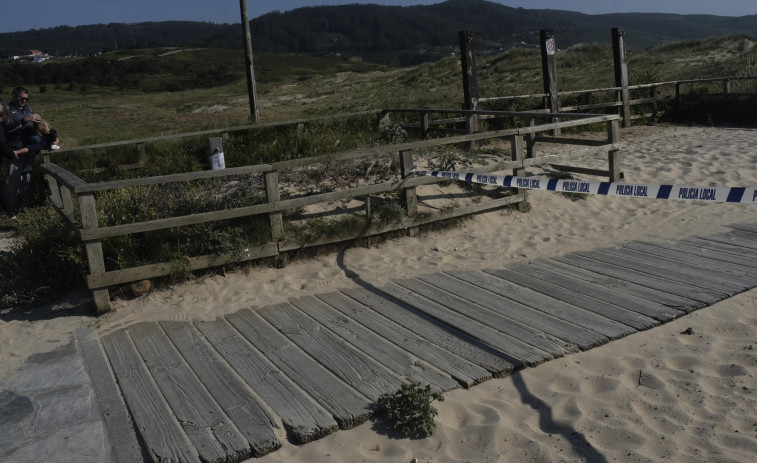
<point>223,390</point>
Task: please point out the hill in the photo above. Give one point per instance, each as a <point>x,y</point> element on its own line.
<point>389,34</point>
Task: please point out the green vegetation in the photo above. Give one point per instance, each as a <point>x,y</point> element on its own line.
<point>48,257</point>
<point>409,410</point>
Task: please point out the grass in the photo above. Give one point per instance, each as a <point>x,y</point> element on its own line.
<point>289,87</point>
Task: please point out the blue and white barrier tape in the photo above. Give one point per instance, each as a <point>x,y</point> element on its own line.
<point>709,194</point>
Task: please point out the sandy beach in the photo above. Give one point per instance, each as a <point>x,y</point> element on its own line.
<point>668,393</point>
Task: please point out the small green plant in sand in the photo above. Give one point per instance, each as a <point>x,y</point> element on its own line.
<point>409,410</point>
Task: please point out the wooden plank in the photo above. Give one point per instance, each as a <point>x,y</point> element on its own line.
<point>719,254</point>
<point>234,397</point>
<point>703,268</point>
<point>681,253</point>
<point>747,244</point>
<point>303,419</point>
<point>748,227</point>
<point>351,366</point>
<point>669,286</point>
<point>723,246</point>
<point>627,309</point>
<point>649,267</point>
<point>390,355</point>
<point>203,421</point>
<point>123,436</point>
<point>507,338</point>
<point>163,437</point>
<point>744,235</point>
<point>464,371</point>
<point>346,405</point>
<point>572,307</point>
<point>544,316</point>
<point>680,304</point>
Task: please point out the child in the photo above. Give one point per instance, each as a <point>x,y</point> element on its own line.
<point>44,135</point>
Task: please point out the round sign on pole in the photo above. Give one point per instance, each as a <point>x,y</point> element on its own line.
<point>550,44</point>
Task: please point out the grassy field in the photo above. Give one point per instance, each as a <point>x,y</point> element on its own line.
<point>291,87</point>
<point>288,87</point>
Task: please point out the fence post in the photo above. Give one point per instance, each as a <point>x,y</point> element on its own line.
<point>621,72</point>
<point>470,81</point>
<point>531,140</point>
<point>549,72</point>
<point>425,120</point>
<point>516,144</point>
<point>726,85</point>
<point>655,106</point>
<point>94,250</point>
<point>409,194</point>
<point>612,155</point>
<point>272,195</point>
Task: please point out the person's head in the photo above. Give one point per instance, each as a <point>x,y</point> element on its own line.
<point>43,127</point>
<point>20,96</point>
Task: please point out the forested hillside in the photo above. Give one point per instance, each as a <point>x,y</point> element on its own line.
<point>388,34</point>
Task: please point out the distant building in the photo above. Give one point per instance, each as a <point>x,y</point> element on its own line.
<point>31,55</point>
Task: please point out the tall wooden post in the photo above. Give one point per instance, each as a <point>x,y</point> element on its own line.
<point>251,91</point>
<point>470,79</point>
<point>621,73</point>
<point>94,251</point>
<point>549,71</point>
<point>517,143</point>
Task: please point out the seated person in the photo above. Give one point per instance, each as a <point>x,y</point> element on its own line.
<point>44,135</point>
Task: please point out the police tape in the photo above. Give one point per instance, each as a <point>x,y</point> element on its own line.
<point>631,190</point>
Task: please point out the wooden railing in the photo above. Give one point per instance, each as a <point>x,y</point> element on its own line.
<point>76,200</point>
<point>653,100</point>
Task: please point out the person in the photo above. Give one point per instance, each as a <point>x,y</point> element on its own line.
<point>19,121</point>
<point>15,170</point>
<point>44,135</point>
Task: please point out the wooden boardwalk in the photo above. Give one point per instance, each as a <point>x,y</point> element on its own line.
<point>218,390</point>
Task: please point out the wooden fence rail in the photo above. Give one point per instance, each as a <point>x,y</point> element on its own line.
<point>76,200</point>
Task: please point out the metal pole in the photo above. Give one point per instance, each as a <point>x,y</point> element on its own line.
<point>248,62</point>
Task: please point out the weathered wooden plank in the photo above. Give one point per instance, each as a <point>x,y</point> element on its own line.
<point>747,227</point>
<point>703,268</point>
<point>233,395</point>
<point>709,259</point>
<point>648,266</point>
<point>719,253</point>
<point>346,405</point>
<point>126,448</point>
<point>381,350</point>
<point>466,372</point>
<point>680,304</point>
<point>350,365</point>
<point>163,437</point>
<point>669,286</point>
<point>507,338</point>
<point>720,246</point>
<point>443,335</point>
<point>203,421</point>
<point>622,307</point>
<point>303,419</point>
<point>572,307</point>
<point>744,235</point>
<point>746,244</point>
<point>544,316</point>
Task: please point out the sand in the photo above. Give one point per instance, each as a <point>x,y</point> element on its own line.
<point>656,395</point>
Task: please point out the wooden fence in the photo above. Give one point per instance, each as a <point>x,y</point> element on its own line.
<point>76,199</point>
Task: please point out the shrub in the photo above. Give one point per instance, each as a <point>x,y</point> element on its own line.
<point>409,410</point>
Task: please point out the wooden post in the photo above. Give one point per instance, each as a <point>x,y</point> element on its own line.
<point>726,86</point>
<point>249,69</point>
<point>425,121</point>
<point>409,194</point>
<point>215,148</point>
<point>531,139</point>
<point>94,250</point>
<point>549,72</point>
<point>621,72</point>
<point>656,107</point>
<point>516,144</point>
<point>272,196</point>
<point>384,120</point>
<point>612,155</point>
<point>470,81</point>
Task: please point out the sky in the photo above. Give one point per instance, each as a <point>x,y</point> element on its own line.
<point>42,14</point>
